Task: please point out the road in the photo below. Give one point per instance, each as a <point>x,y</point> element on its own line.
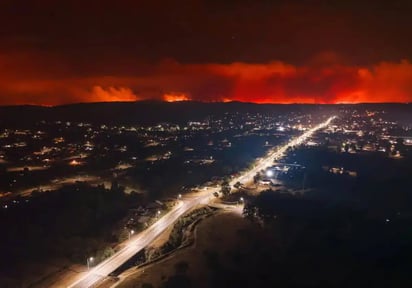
<point>278,153</point>
<point>144,238</point>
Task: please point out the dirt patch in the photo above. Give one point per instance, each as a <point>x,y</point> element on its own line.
<point>216,233</point>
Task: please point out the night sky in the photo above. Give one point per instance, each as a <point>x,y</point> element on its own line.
<point>57,52</point>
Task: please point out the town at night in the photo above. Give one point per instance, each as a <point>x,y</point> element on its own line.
<point>203,143</point>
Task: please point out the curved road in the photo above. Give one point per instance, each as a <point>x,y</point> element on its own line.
<point>141,240</point>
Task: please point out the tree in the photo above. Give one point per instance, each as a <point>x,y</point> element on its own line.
<point>107,252</point>
<point>400,145</point>
<point>257,177</point>
<point>225,190</point>
<point>347,147</point>
<point>225,187</point>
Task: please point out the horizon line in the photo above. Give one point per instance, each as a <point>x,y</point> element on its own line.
<point>194,101</point>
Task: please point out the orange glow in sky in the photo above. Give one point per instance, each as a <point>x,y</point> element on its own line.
<point>175,97</point>
<point>23,80</point>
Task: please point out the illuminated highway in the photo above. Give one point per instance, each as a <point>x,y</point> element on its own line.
<point>144,238</point>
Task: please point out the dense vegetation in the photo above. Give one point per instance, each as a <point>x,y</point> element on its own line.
<point>178,236</point>
<point>74,222</point>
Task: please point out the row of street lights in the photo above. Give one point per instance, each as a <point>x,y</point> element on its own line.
<point>90,260</point>
<point>269,173</point>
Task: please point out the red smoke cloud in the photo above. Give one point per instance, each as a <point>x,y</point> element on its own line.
<point>32,79</point>
<point>110,94</point>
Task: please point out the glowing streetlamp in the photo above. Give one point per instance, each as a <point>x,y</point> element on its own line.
<point>131,232</point>
<point>241,200</point>
<point>89,261</point>
<point>269,173</point>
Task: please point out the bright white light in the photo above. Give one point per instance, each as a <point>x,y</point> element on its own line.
<point>269,173</point>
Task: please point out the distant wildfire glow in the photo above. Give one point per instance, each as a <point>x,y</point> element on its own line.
<point>110,94</point>
<point>175,97</point>
<point>25,81</point>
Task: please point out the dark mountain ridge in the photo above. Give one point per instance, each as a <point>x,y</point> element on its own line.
<point>152,112</point>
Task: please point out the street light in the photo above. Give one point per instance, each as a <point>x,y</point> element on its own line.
<point>131,232</point>
<point>241,200</point>
<point>89,261</point>
<point>179,196</point>
<point>269,173</point>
